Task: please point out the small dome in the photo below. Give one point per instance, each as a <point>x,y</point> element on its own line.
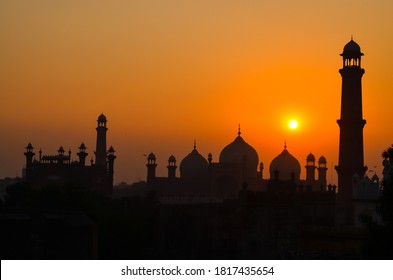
<point>310,157</point>
<point>238,152</point>
<point>286,164</point>
<point>194,166</point>
<point>172,159</point>
<point>151,156</point>
<point>111,150</point>
<point>82,146</point>
<point>322,159</point>
<point>101,118</point>
<point>351,49</point>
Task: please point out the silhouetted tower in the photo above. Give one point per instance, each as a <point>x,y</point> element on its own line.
<point>82,154</point>
<point>172,167</point>
<point>260,173</point>
<point>61,155</point>
<point>351,123</point>
<point>322,170</point>
<point>310,169</point>
<point>29,159</point>
<point>101,141</point>
<point>151,167</point>
<point>111,161</point>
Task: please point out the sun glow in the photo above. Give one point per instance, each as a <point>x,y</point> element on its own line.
<point>293,124</point>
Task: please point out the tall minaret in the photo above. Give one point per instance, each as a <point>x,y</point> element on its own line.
<point>351,123</point>
<point>101,141</point>
<point>29,160</point>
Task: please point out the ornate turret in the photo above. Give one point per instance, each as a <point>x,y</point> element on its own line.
<point>172,167</point>
<point>310,170</point>
<point>82,154</point>
<point>151,167</point>
<point>322,170</point>
<point>29,159</point>
<point>260,170</point>
<point>111,160</point>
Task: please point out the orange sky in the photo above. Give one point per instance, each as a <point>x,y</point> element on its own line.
<point>168,72</point>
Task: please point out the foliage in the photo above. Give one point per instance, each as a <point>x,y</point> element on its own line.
<point>380,243</point>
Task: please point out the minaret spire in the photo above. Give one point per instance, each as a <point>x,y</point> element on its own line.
<point>101,141</point>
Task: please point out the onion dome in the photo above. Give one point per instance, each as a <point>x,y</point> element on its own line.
<point>286,165</point>
<point>240,152</point>
<point>111,150</point>
<point>101,118</point>
<point>194,166</point>
<point>310,158</point>
<point>351,50</point>
<point>151,156</point>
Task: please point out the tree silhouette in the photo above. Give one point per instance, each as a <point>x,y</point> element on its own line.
<point>380,244</point>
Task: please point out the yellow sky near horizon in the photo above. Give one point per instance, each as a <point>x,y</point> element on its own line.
<point>168,72</point>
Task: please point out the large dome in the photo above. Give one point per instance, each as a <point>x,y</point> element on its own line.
<point>239,152</point>
<point>286,165</point>
<point>194,166</point>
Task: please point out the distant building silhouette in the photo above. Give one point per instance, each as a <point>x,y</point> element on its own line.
<point>61,169</point>
<point>235,170</point>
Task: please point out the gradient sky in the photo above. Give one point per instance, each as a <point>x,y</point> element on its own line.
<point>168,72</point>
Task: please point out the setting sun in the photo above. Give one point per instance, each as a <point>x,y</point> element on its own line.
<point>293,124</point>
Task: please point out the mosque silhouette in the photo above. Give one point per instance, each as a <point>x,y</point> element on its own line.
<point>238,163</point>
<point>307,210</point>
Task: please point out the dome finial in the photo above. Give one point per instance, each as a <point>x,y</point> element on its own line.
<point>351,37</point>
<point>239,132</point>
<point>285,144</point>
<point>194,144</point>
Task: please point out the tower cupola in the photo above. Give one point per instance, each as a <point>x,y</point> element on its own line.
<point>351,54</point>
